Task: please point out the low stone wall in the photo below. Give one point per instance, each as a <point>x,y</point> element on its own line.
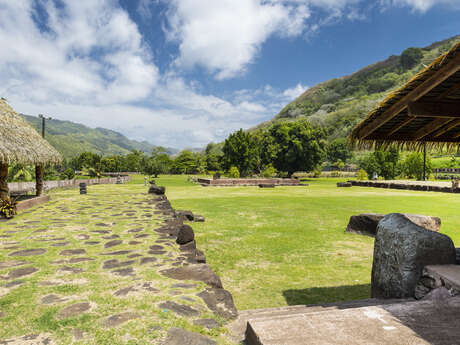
<point>248,181</point>
<point>407,186</point>
<point>24,187</point>
<point>24,205</point>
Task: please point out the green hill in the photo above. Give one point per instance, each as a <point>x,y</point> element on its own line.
<point>71,139</point>
<point>339,104</point>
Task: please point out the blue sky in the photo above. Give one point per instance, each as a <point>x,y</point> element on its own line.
<point>182,73</point>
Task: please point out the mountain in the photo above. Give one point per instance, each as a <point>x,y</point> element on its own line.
<point>339,104</point>
<point>71,139</point>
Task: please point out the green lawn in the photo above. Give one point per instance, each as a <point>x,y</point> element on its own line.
<point>285,246</point>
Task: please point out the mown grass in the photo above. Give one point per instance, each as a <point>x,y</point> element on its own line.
<point>286,246</point>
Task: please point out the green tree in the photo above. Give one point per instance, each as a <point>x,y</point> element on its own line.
<point>185,163</point>
<point>295,146</point>
<point>240,150</point>
<point>410,57</point>
<point>133,161</point>
<point>382,162</point>
<point>413,166</point>
<point>339,149</point>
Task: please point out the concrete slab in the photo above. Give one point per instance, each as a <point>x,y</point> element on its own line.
<point>409,323</point>
<point>450,274</point>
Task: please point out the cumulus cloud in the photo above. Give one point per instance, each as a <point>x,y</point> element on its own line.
<point>294,92</point>
<point>420,5</point>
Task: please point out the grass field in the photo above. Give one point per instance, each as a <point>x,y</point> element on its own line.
<point>286,246</point>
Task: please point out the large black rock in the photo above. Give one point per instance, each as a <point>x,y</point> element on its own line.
<point>154,189</point>
<point>402,249</point>
<point>185,234</point>
<point>366,223</point>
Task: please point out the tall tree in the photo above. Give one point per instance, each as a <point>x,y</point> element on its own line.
<point>296,146</point>
<point>240,150</point>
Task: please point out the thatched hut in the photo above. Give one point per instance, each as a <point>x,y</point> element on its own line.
<point>20,143</point>
<point>425,112</point>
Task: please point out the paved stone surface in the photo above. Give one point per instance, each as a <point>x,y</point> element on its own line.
<point>104,275</point>
<point>208,323</point>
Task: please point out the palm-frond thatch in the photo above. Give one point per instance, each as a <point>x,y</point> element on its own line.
<point>433,93</point>
<point>20,143</point>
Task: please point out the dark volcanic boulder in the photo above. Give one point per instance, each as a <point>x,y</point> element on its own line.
<point>402,249</point>
<point>220,301</point>
<point>199,218</point>
<point>344,184</point>
<point>154,189</point>
<point>266,185</point>
<point>185,234</point>
<point>179,336</point>
<point>185,215</point>
<point>366,223</point>
<point>198,272</point>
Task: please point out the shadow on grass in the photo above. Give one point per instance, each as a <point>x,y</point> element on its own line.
<point>327,294</point>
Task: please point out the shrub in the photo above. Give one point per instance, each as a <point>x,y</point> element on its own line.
<point>362,175</point>
<point>317,172</point>
<point>68,174</point>
<point>233,172</point>
<point>269,171</point>
<point>8,208</point>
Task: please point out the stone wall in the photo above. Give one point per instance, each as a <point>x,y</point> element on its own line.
<point>406,186</point>
<point>249,181</point>
<point>23,187</point>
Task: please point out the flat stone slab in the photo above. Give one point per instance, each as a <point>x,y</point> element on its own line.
<point>199,272</point>
<point>69,252</point>
<point>73,310</point>
<point>28,252</point>
<point>116,320</point>
<point>8,264</point>
<point>410,323</point>
<point>179,309</point>
<point>179,336</point>
<point>20,272</point>
<point>208,323</point>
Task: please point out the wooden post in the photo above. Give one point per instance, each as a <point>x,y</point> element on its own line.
<point>39,172</point>
<point>424,161</point>
<point>4,192</point>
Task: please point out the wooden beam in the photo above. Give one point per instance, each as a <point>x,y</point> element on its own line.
<point>429,128</point>
<point>446,129</point>
<point>437,78</point>
<point>434,109</point>
<point>448,92</point>
<point>401,125</point>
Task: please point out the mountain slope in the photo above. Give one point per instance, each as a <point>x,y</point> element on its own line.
<point>339,104</point>
<point>71,139</point>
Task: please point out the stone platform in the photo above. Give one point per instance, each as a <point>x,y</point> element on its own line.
<point>226,182</point>
<point>395,323</point>
<point>427,186</point>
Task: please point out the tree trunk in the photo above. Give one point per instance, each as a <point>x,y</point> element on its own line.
<point>39,172</point>
<point>4,192</point>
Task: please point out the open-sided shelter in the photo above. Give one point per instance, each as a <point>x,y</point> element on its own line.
<point>20,143</point>
<point>425,111</point>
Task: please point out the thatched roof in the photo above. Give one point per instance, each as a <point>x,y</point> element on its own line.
<point>426,110</point>
<point>20,143</point>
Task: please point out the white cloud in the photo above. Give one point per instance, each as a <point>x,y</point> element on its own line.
<point>295,92</point>
<point>421,5</point>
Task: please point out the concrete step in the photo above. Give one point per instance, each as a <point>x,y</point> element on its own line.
<point>239,326</point>
<point>403,323</point>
